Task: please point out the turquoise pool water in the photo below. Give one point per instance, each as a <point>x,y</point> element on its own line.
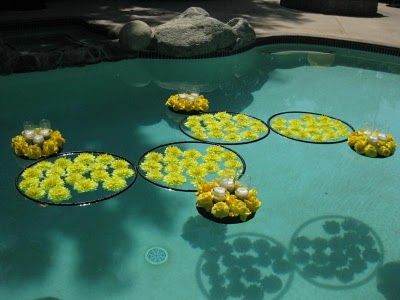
<point>98,251</point>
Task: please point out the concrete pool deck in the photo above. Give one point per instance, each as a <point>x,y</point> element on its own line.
<point>267,17</point>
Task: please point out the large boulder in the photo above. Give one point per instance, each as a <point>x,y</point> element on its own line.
<point>135,35</point>
<point>244,32</point>
<point>193,33</point>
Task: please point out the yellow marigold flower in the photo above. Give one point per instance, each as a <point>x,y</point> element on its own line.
<point>73,177</point>
<point>59,193</point>
<point>205,200</point>
<point>249,135</point>
<point>205,186</point>
<point>192,154</point>
<point>28,183</point>
<point>33,152</point>
<point>232,137</point>
<point>59,171</point>
<point>384,151</point>
<point>191,124</point>
<point>98,166</point>
<point>51,181</point>
<point>188,163</point>
<point>174,179</point>
<point>319,138</point>
<point>233,164</point>
<point>198,128</point>
<point>194,119</point>
<point>220,210</point>
<point>199,135</point>
<point>49,147</point>
<point>85,185</point>
<point>43,165</point>
<point>57,137</point>
<point>123,173</point>
<point>197,171</point>
<point>62,162</point>
<point>227,123</point>
<point>228,173</point>
<point>154,156</point>
<point>154,175</point>
<point>114,183</point>
<point>214,127</point>
<point>207,117</point>
<point>32,173</point>
<point>239,208</point>
<point>150,165</point>
<point>210,166</point>
<point>216,134</point>
<point>36,193</point>
<point>359,146</point>
<point>259,127</point>
<point>212,157</point>
<point>173,168</point>
<point>228,155</point>
<point>241,118</point>
<point>370,151</point>
<point>253,204</point>
<point>215,149</point>
<point>85,158</point>
<point>77,167</point>
<point>119,163</point>
<point>223,115</point>
<point>323,119</point>
<point>173,151</point>
<point>96,175</point>
<point>279,127</point>
<point>104,158</point>
<point>232,129</point>
<point>170,159</point>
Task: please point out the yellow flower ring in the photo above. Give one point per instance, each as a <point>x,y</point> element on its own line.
<point>372,143</point>
<point>310,127</point>
<point>230,209</point>
<point>224,128</point>
<point>194,163</point>
<point>187,104</point>
<point>76,178</point>
<point>27,149</point>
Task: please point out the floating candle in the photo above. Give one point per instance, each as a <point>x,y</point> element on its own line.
<point>367,132</point>
<point>219,193</point>
<point>241,192</point>
<point>45,132</point>
<point>373,139</point>
<point>28,134</point>
<point>183,96</point>
<point>38,139</point>
<point>228,183</point>
<point>191,98</point>
<point>194,94</point>
<point>382,137</point>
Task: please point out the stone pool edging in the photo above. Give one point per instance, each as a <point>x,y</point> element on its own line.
<point>83,53</point>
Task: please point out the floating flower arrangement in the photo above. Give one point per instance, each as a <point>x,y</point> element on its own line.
<point>224,128</point>
<point>310,127</point>
<point>372,143</point>
<point>225,200</point>
<point>187,103</point>
<point>37,141</point>
<point>69,176</point>
<point>178,167</point>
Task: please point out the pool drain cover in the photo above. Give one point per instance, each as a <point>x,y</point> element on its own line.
<point>156,255</point>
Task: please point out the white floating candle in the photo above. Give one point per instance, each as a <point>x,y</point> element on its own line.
<point>219,193</point>
<point>367,132</point>
<point>228,183</point>
<point>183,96</point>
<point>191,98</point>
<point>28,134</point>
<point>194,94</point>
<point>38,139</point>
<point>382,137</point>
<point>242,192</point>
<point>373,139</point>
<point>45,132</point>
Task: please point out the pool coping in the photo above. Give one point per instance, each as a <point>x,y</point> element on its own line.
<point>83,53</point>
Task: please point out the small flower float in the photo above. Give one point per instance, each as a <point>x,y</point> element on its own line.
<point>310,127</point>
<point>187,103</point>
<point>224,128</point>
<point>76,178</point>
<point>372,143</point>
<point>182,166</point>
<point>225,200</point>
<point>37,141</point>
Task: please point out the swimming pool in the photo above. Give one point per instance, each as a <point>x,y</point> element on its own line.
<point>149,242</point>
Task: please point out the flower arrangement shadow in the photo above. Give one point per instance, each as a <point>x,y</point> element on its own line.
<point>336,252</point>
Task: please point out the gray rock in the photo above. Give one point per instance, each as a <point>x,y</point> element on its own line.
<point>244,32</point>
<point>194,11</point>
<point>135,35</point>
<point>198,34</point>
